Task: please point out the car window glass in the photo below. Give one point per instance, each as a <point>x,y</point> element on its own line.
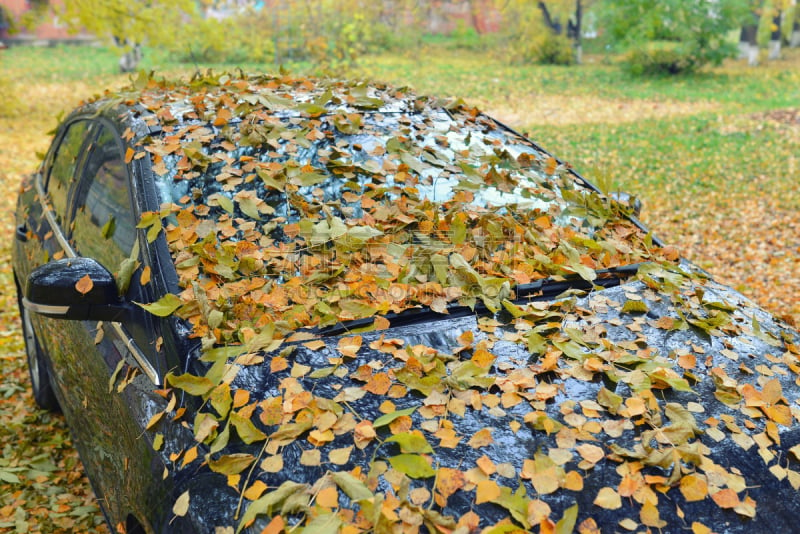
<point>104,227</point>
<point>62,172</point>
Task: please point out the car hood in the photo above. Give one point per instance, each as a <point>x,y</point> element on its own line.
<point>665,401</point>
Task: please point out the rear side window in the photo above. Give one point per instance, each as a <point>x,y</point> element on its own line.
<point>103,226</point>
<point>62,171</point>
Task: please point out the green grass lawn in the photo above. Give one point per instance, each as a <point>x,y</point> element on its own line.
<point>715,158</point>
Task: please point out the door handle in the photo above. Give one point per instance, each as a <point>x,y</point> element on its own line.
<point>22,233</point>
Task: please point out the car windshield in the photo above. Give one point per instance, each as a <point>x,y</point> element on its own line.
<point>327,211</point>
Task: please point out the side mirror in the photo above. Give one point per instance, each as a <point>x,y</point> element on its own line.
<point>51,291</point>
<point>628,200</point>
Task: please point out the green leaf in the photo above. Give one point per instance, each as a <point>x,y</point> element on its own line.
<point>193,385</point>
<point>231,464</point>
<point>635,306</point>
<point>113,380</point>
<point>324,524</point>
<point>265,504</point>
<point>411,442</point>
<point>385,419</point>
<point>246,429</point>
<point>164,306</point>
<point>352,486</point>
<point>412,465</point>
<point>516,503</point>
<point>566,524</point>
<point>222,201</point>
<point>108,228</point>
<point>9,477</point>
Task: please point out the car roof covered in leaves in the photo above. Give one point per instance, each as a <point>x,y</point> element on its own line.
<point>292,204</point>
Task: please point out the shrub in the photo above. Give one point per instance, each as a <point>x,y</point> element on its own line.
<point>660,58</point>
<point>552,49</point>
<point>672,36</point>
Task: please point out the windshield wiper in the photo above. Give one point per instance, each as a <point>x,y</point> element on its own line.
<point>540,290</point>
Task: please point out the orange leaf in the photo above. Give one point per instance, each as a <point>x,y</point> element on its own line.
<point>381,323</point>
<point>129,155</point>
<point>84,285</point>
<point>378,384</point>
<point>144,279</point>
<point>254,492</point>
<point>726,498</point>
<point>449,481</point>
<point>328,497</point>
<point>275,526</point>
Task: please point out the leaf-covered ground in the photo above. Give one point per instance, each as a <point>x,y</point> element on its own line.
<point>715,160</point>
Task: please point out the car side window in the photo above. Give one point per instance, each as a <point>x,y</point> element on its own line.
<point>63,169</point>
<point>103,225</point>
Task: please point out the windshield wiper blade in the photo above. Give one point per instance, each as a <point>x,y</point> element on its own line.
<point>540,290</point>
<point>548,288</point>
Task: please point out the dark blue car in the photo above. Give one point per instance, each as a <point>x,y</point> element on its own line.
<point>286,303</point>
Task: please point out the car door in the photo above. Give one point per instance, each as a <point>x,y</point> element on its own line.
<point>107,373</point>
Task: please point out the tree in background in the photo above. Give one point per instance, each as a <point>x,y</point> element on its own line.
<point>769,24</point>
<point>672,36</point>
<point>794,18</point>
<point>127,24</point>
<point>543,32</point>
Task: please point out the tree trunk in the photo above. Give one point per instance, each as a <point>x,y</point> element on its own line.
<point>577,30</point>
<point>775,37</point>
<point>748,41</point>
<point>553,24</point>
<point>794,39</point>
<point>131,54</point>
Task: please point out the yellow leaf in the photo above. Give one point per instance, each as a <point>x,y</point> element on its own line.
<point>487,491</point>
<point>608,498</point>
<point>590,453</point>
<point>649,516</point>
<point>311,457</point>
<point>349,346</point>
<point>700,528</point>
<point>190,456</point>
<point>481,438</point>
<point>154,420</point>
<point>694,488</point>
<point>273,464</point>
<point>340,456</point>
<point>181,505</point>
<point>538,511</point>
<point>573,481</point>
<point>315,345</point>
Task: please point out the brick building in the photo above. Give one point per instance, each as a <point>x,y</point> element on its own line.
<point>48,30</point>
